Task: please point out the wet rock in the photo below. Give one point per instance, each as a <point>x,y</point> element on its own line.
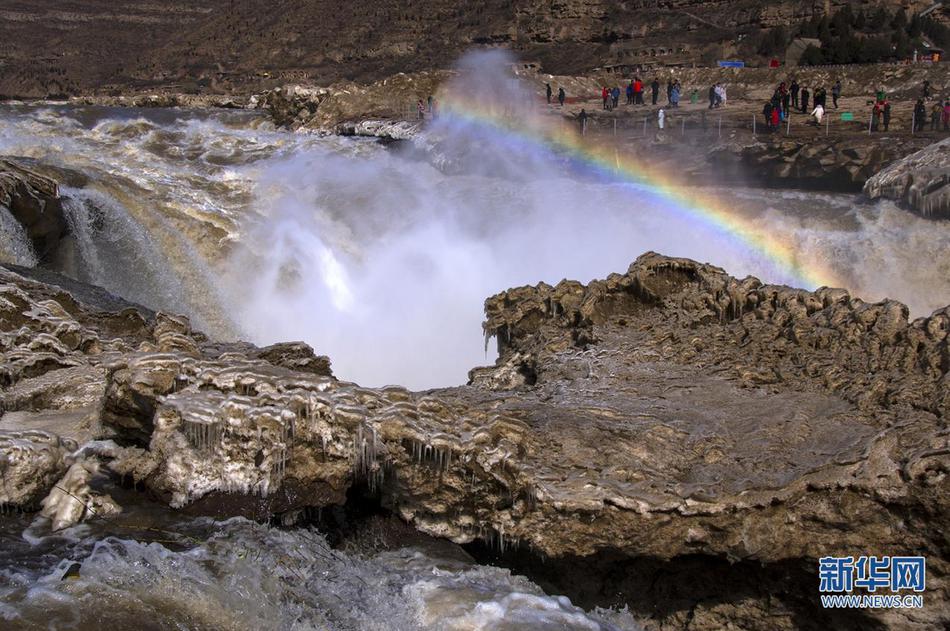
<point>30,464</point>
<point>34,201</point>
<point>72,500</point>
<point>665,413</point>
<point>920,181</point>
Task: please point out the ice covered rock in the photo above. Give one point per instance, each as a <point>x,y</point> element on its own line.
<point>71,499</point>
<point>920,181</point>
<point>30,464</point>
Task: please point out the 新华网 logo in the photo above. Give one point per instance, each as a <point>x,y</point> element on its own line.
<point>880,582</point>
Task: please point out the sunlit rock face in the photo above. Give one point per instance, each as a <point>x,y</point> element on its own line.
<point>668,411</point>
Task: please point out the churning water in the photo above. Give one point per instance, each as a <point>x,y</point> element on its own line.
<point>150,569</point>
<point>381,257</point>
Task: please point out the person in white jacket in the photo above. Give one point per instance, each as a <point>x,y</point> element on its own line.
<point>661,118</point>
<point>818,113</point>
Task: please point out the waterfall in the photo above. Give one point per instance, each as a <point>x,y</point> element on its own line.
<point>15,246</point>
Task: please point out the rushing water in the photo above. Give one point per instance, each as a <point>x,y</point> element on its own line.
<point>150,569</point>
<point>380,257</point>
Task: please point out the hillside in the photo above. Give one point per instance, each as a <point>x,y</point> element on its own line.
<point>50,47</point>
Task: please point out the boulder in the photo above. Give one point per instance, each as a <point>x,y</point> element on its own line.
<point>920,181</point>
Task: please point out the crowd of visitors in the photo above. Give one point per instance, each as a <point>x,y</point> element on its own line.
<point>789,97</point>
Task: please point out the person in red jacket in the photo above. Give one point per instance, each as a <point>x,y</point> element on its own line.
<point>605,95</point>
<point>637,91</point>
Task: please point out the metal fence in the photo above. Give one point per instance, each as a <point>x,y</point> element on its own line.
<point>796,124</point>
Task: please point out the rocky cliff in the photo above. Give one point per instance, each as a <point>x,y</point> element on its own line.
<point>52,47</point>
<point>668,420</point>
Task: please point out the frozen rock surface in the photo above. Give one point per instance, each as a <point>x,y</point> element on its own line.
<point>672,414</point>
<point>920,181</point>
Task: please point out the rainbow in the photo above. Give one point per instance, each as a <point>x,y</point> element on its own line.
<point>702,207</point>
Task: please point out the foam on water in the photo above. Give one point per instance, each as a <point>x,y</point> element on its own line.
<point>237,575</point>
<point>382,258</point>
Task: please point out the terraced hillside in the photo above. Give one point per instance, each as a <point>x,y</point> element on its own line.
<point>50,47</point>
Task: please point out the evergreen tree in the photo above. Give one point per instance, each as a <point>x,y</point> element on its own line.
<point>812,57</point>
<point>860,20</point>
<point>915,27</point>
<point>899,23</point>
<point>878,19</point>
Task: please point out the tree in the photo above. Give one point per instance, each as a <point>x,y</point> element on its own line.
<point>860,20</point>
<point>774,42</point>
<point>874,49</point>
<point>915,27</point>
<point>903,48</point>
<point>812,56</point>
<point>878,19</point>
<point>899,23</point>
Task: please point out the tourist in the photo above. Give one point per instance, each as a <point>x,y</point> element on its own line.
<point>561,96</point>
<point>786,98</point>
<point>429,102</point>
<point>669,89</point>
<point>886,114</point>
<point>936,113</point>
<point>876,112</point>
<point>836,92</point>
<point>767,114</point>
<point>582,118</point>
<point>821,97</point>
<point>630,93</point>
<point>661,117</point>
<point>422,109</point>
<point>638,92</point>
<point>946,116</point>
<point>655,86</point>
<point>675,95</point>
<point>804,94</point>
<point>694,96</point>
<point>818,113</point>
<point>776,117</point>
<point>793,90</point>
<point>926,89</point>
<point>720,95</point>
<point>712,96</point>
<point>605,95</point>
<point>547,89</point>
<point>615,96</point>
<point>920,115</point>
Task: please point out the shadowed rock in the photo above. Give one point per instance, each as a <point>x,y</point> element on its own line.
<point>920,181</point>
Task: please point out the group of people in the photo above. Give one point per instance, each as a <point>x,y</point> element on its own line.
<point>717,96</point>
<point>426,107</point>
<point>635,91</point>
<point>880,112</point>
<point>789,96</point>
<point>940,113</point>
